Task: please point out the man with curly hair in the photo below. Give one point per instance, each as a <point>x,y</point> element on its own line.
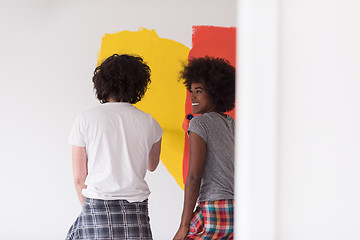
<point>210,179</point>
<point>113,145</point>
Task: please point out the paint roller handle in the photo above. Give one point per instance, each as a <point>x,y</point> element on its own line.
<point>186,122</point>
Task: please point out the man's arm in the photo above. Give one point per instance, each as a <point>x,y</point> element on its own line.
<point>154,156</point>
<point>79,160</point>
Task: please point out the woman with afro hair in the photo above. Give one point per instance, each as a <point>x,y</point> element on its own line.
<point>113,145</point>
<point>210,179</point>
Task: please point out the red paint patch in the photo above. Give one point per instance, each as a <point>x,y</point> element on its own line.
<point>214,42</point>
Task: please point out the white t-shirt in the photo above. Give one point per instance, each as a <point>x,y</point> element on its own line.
<point>118,138</point>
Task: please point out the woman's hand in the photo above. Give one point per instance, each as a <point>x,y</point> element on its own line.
<point>181,233</point>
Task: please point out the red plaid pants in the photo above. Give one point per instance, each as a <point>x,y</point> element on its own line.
<point>212,220</point>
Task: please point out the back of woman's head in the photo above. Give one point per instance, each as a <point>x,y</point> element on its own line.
<point>121,78</point>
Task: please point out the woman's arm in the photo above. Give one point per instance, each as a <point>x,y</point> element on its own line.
<point>197,155</point>
<point>154,156</point>
<point>80,172</point>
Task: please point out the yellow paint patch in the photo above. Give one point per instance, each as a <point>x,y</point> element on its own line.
<point>165,99</point>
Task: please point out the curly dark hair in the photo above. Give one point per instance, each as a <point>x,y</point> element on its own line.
<point>123,78</point>
<point>218,78</point>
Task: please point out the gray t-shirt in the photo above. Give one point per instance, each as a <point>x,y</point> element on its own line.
<point>218,175</point>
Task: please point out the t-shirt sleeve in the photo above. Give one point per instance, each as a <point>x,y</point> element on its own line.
<point>198,126</point>
<point>77,134</point>
<point>158,132</point>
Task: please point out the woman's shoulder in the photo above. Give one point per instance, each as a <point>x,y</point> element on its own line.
<point>204,121</point>
<point>211,116</point>
<point>199,118</point>
<point>212,120</point>
<point>203,116</point>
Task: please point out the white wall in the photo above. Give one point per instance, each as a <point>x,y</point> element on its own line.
<point>257,110</point>
<point>316,166</point>
<point>48,51</point>
<point>319,162</point>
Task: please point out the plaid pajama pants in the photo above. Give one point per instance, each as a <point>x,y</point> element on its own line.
<point>111,220</point>
<point>212,220</point>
